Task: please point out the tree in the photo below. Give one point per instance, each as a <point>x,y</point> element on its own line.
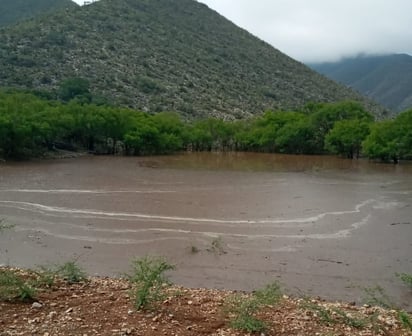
<point>383,141</point>
<point>75,87</point>
<point>346,137</point>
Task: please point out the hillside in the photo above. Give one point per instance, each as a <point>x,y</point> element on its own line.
<point>158,55</point>
<point>13,11</point>
<point>385,79</point>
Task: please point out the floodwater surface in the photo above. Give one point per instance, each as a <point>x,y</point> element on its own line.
<point>320,225</point>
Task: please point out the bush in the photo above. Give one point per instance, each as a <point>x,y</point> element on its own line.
<point>243,309</point>
<point>71,272</point>
<point>148,281</point>
<point>406,279</point>
<point>13,286</point>
<point>405,319</point>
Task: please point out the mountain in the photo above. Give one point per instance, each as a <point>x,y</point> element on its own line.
<point>158,55</point>
<point>385,79</point>
<point>13,11</point>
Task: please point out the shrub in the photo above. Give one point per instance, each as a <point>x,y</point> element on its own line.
<point>14,286</point>
<point>406,279</point>
<point>148,281</point>
<point>45,277</point>
<point>405,319</point>
<point>71,272</point>
<point>243,309</point>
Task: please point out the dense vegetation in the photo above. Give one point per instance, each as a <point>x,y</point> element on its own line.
<point>31,126</point>
<point>162,55</point>
<point>13,11</point>
<point>386,79</point>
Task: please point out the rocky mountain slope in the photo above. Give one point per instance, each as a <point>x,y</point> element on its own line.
<point>385,79</point>
<point>158,55</point>
<point>13,11</point>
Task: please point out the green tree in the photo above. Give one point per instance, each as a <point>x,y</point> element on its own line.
<point>383,141</point>
<point>324,117</point>
<point>346,137</point>
<point>75,87</point>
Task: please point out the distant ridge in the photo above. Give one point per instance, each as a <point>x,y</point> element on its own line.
<point>385,79</point>
<point>13,11</point>
<point>157,55</point>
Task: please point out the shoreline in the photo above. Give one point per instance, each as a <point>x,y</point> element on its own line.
<point>103,306</point>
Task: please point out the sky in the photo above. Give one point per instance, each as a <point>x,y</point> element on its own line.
<point>324,30</point>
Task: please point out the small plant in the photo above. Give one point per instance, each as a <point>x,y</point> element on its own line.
<point>324,314</point>
<point>71,272</point>
<point>406,279</point>
<point>376,296</point>
<point>405,319</point>
<point>14,286</point>
<point>217,246</point>
<point>149,281</point>
<point>350,321</point>
<point>334,315</point>
<point>242,309</point>
<point>4,226</point>
<point>45,277</point>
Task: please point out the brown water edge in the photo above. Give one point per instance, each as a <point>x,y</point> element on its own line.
<point>321,225</point>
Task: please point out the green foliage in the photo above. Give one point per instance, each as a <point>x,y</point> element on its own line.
<point>391,139</point>
<point>13,286</point>
<point>324,314</point>
<point>31,126</point>
<point>70,272</point>
<point>149,282</point>
<point>248,323</point>
<point>406,279</point>
<point>75,88</point>
<point>242,309</point>
<point>346,137</point>
<point>46,277</point>
<point>376,296</point>
<point>334,315</point>
<point>405,319</point>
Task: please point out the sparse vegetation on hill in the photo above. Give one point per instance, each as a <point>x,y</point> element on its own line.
<point>162,55</point>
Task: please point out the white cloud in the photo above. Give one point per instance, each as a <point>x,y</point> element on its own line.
<point>319,30</point>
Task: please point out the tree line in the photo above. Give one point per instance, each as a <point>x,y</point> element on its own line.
<point>31,126</point>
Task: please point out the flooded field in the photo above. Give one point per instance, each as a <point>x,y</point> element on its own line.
<point>320,225</point>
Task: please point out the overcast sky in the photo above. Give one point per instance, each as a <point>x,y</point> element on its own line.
<point>324,30</point>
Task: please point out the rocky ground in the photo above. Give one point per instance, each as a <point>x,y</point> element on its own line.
<point>102,306</point>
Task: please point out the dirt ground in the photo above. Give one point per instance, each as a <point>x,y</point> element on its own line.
<point>102,306</point>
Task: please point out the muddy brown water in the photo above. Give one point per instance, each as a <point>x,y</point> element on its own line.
<point>320,225</point>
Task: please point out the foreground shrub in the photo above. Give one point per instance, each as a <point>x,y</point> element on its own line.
<point>149,281</point>
<point>70,272</point>
<point>242,309</point>
<point>14,286</point>
<point>406,279</point>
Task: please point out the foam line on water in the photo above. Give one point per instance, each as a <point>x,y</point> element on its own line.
<point>83,191</point>
<point>336,235</point>
<point>35,207</point>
